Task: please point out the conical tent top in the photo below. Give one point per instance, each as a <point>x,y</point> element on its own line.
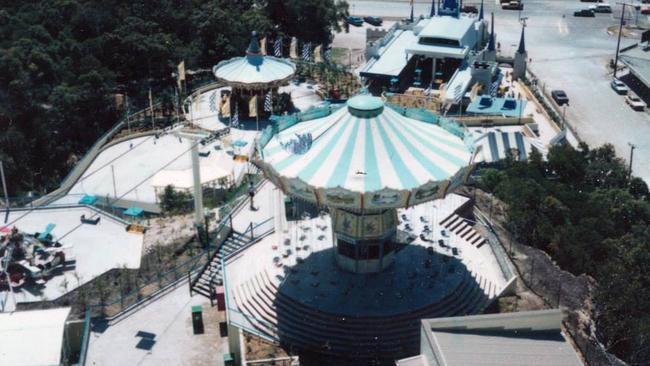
<point>491,41</point>
<point>254,45</point>
<point>522,44</point>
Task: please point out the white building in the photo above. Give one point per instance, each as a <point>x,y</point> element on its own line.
<point>523,338</point>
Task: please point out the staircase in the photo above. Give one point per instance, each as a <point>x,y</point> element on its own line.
<point>464,229</point>
<point>211,275</point>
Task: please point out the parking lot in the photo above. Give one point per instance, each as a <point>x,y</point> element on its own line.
<point>568,53</point>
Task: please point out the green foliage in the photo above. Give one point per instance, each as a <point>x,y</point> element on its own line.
<point>309,20</point>
<point>580,207</point>
<point>61,61</point>
<point>173,202</point>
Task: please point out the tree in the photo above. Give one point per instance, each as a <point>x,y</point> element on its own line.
<point>173,202</point>
<point>322,16</point>
<point>582,209</point>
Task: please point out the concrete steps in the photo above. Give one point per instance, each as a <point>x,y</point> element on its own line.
<point>211,274</point>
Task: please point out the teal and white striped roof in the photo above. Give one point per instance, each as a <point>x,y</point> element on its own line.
<point>366,148</point>
<point>254,71</point>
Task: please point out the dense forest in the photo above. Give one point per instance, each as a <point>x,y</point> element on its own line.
<point>62,62</point>
<point>583,209</point>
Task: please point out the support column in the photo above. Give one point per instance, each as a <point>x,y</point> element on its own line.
<point>198,192</point>
<point>433,68</point>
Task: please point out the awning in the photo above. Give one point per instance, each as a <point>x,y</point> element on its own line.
<point>133,211</point>
<point>88,200</point>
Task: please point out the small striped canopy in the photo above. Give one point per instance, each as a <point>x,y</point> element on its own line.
<point>366,152</point>
<point>254,71</point>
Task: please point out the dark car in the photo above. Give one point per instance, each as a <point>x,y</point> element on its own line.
<point>373,20</point>
<point>469,9</point>
<point>584,13</point>
<point>356,21</point>
<point>560,97</point>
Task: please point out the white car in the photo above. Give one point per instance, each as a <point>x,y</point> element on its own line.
<point>635,102</point>
<point>619,87</point>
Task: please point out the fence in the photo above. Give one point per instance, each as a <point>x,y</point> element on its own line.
<point>165,280</point>
<point>506,266</point>
<point>540,93</point>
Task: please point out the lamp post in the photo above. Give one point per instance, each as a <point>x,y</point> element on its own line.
<point>629,172</point>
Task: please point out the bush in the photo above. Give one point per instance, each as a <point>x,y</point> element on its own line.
<point>173,202</point>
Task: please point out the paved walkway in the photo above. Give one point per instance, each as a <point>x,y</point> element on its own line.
<point>168,322</point>
<point>263,209</point>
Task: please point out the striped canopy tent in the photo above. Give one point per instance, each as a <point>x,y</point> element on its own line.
<point>254,71</point>
<point>366,157</point>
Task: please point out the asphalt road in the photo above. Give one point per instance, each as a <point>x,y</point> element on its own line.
<point>567,53</point>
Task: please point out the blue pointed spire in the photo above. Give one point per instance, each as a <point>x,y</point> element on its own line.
<point>480,12</point>
<point>491,41</point>
<point>254,45</point>
<point>433,8</point>
<point>522,44</point>
<point>450,7</point>
<point>411,11</point>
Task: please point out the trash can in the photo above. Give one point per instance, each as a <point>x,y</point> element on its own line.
<point>221,298</point>
<point>197,319</point>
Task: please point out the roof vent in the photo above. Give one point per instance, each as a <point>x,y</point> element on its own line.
<point>365,106</point>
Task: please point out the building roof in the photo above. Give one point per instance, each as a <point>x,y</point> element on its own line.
<point>523,338</point>
<point>32,337</point>
<point>366,151</point>
<point>637,58</point>
<point>448,27</point>
<point>418,360</point>
<point>392,56</point>
<point>509,107</point>
<point>440,51</point>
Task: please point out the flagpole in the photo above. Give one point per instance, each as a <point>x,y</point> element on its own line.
<point>153,120</point>
<point>257,113</point>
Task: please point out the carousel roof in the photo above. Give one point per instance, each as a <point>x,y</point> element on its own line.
<point>254,70</point>
<point>366,148</point>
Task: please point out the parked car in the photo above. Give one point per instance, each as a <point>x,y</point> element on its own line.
<point>635,102</point>
<point>589,13</point>
<point>377,21</point>
<point>619,87</point>
<point>354,20</point>
<point>601,8</point>
<point>469,9</point>
<point>560,97</point>
<point>513,5</point>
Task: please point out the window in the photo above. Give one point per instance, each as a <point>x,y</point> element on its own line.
<point>435,41</point>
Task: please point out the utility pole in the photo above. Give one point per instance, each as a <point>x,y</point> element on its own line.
<point>618,42</point>
<point>629,172</point>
